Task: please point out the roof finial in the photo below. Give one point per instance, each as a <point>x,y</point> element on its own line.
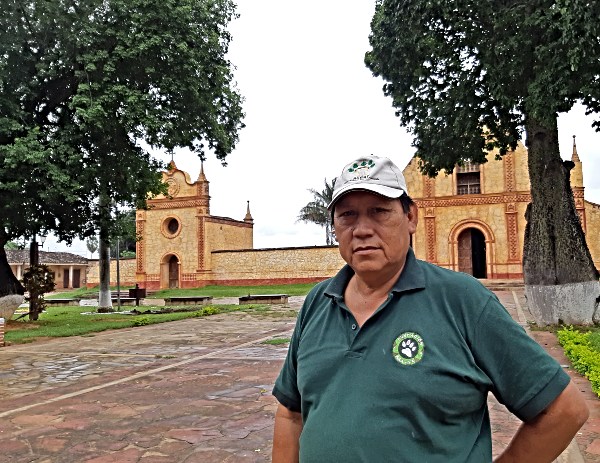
<point>248,217</point>
<point>201,176</point>
<point>575,156</point>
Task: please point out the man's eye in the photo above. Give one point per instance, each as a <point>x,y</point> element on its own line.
<point>380,211</point>
<point>347,214</point>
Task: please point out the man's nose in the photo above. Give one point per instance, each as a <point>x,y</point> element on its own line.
<point>363,224</point>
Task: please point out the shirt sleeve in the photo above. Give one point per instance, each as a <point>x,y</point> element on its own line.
<point>526,379</point>
<point>286,385</point>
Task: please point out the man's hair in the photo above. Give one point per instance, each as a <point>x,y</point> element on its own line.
<point>405,200</point>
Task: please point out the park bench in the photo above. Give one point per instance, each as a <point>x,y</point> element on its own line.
<point>55,302</point>
<point>188,300</point>
<point>124,300</point>
<point>264,299</point>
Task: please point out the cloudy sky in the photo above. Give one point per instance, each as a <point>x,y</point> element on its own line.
<point>312,106</point>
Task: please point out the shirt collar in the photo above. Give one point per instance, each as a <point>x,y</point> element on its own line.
<point>412,277</point>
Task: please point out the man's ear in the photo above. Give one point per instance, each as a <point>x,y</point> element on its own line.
<point>413,218</point>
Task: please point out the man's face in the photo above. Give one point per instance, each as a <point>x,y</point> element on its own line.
<point>373,232</point>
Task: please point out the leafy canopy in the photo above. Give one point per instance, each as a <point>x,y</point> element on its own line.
<point>85,85</point>
<point>459,70</point>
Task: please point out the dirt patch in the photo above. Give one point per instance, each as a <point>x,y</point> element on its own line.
<point>15,325</point>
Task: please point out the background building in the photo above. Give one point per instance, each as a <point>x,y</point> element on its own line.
<point>69,270</point>
<point>473,220</point>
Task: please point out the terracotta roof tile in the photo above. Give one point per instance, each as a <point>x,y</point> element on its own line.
<point>22,256</point>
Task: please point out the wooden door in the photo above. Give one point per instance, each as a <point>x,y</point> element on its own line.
<point>465,252</point>
<point>65,278</point>
<point>173,272</point>
<point>76,278</point>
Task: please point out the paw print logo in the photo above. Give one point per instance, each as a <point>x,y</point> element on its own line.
<point>408,348</point>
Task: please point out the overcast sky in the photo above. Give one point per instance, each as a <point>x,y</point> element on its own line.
<point>312,106</point>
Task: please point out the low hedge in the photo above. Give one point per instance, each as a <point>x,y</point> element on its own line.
<point>585,359</point>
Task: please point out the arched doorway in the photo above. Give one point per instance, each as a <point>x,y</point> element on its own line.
<point>472,252</point>
<point>169,272</point>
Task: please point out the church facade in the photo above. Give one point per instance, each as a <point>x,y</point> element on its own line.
<point>473,220</point>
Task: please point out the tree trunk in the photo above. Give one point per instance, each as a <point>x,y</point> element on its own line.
<point>9,285</point>
<point>560,277</point>
<point>11,290</point>
<point>104,298</point>
<point>34,260</point>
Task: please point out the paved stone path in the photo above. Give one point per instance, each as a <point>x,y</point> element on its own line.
<point>197,390</point>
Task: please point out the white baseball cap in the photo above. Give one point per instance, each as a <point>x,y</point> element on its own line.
<point>370,173</point>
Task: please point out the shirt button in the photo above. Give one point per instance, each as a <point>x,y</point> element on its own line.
<point>353,326</point>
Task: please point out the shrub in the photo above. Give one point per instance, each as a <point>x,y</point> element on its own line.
<point>207,311</point>
<point>141,321</point>
<point>584,358</point>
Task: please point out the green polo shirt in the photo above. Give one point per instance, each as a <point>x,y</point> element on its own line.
<point>411,384</point>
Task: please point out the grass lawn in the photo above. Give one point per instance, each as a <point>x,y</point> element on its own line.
<point>71,321</point>
<point>68,320</point>
<point>214,291</point>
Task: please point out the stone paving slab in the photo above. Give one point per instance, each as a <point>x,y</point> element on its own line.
<point>196,390</point>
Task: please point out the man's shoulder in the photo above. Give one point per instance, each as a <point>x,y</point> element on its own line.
<point>449,280</point>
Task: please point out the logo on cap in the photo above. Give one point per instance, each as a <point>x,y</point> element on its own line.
<point>360,170</point>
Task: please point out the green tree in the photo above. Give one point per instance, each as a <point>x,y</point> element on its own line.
<point>316,211</point>
<point>92,244</point>
<point>467,77</point>
<point>125,234</point>
<point>85,87</point>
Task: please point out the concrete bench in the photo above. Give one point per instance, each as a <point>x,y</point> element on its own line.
<point>55,302</point>
<point>124,300</point>
<point>264,299</point>
<point>188,300</point>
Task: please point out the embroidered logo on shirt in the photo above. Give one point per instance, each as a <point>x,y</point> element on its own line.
<point>408,348</point>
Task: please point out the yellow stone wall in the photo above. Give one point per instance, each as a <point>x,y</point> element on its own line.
<point>126,272</point>
<point>592,235</point>
<point>276,266</point>
<point>225,234</point>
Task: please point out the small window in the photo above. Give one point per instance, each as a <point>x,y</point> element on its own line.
<point>468,179</point>
<point>171,227</point>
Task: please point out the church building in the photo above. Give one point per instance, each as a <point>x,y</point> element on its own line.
<point>178,235</point>
<point>473,220</point>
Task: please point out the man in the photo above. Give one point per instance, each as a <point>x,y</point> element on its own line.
<point>393,358</point>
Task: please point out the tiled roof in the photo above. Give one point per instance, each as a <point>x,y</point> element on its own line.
<point>49,258</point>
